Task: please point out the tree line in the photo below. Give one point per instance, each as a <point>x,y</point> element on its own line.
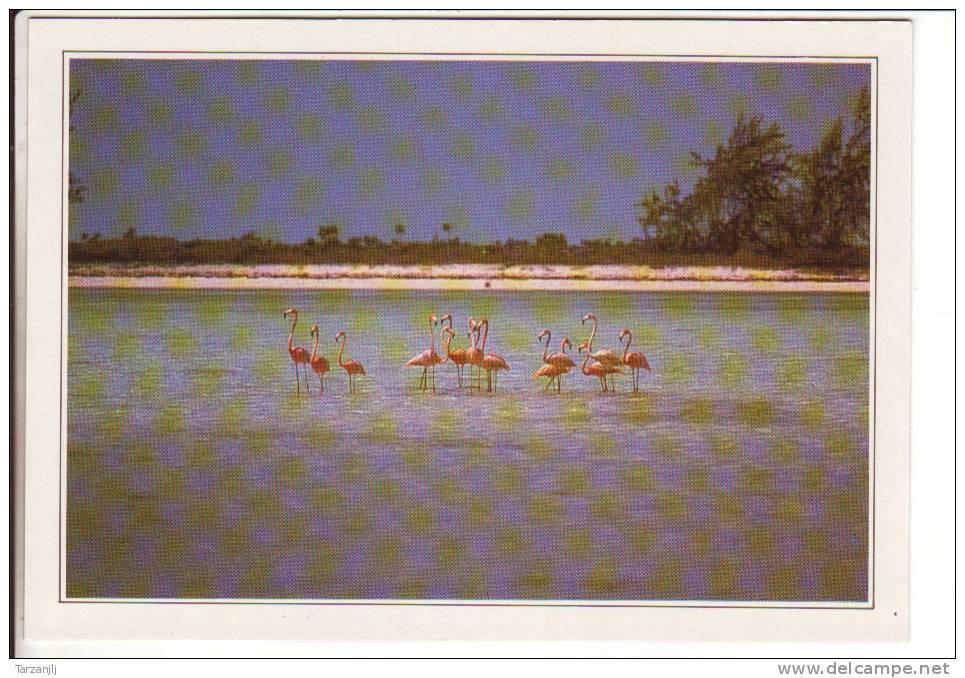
<point>756,194</point>
<point>550,248</point>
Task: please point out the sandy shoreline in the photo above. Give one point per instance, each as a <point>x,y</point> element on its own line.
<point>457,284</point>
<point>340,272</point>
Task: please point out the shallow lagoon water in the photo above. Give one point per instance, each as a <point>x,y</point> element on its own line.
<point>740,471</point>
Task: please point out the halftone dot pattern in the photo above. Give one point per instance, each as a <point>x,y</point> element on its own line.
<point>359,135</point>
<point>739,472</point>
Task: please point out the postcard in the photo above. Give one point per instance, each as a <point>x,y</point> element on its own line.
<point>459,328</point>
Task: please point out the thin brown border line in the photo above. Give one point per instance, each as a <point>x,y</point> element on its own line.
<point>739,58</point>
<point>874,419</point>
<point>460,15</point>
<point>630,603</point>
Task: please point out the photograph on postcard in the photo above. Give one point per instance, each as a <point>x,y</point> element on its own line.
<point>320,308</point>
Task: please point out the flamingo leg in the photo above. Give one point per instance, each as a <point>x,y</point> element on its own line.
<point>422,380</point>
<point>298,382</point>
<point>559,383</point>
<point>433,378</point>
<point>307,389</point>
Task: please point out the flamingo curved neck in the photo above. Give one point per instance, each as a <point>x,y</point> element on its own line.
<point>625,350</point>
<point>291,332</point>
<point>447,341</point>
<point>341,350</point>
<point>547,347</point>
<point>315,347</point>
<point>585,360</point>
<point>592,335</point>
<point>485,334</point>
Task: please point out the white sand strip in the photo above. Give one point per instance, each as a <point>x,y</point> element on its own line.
<point>467,271</point>
<point>435,283</point>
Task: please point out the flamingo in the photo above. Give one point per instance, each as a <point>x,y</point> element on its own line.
<point>474,355</point>
<point>490,362</point>
<point>604,356</point>
<point>428,358</point>
<point>553,372</point>
<point>599,370</point>
<point>318,362</point>
<point>297,353</point>
<point>459,356</point>
<point>557,359</point>
<point>351,367</point>
<point>635,361</point>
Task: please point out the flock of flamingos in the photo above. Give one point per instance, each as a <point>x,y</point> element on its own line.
<point>605,363</point>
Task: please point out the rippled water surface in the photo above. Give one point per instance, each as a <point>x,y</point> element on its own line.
<point>739,472</point>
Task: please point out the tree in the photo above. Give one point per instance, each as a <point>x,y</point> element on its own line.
<point>820,197</point>
<point>328,235</point>
<point>75,188</point>
<point>856,173</point>
<point>739,197</point>
<point>669,221</point>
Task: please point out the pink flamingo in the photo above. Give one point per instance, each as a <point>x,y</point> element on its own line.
<point>604,356</point>
<point>490,362</point>
<point>635,361</point>
<point>458,357</point>
<point>559,359</point>
<point>474,355</point>
<point>428,358</point>
<point>318,362</point>
<point>297,353</point>
<point>351,367</point>
<point>598,370</point>
<point>553,372</point>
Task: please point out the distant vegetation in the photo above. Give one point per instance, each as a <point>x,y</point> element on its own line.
<point>756,194</point>
<point>550,248</point>
<point>754,203</point>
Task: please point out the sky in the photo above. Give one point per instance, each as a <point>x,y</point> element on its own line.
<point>491,149</point>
